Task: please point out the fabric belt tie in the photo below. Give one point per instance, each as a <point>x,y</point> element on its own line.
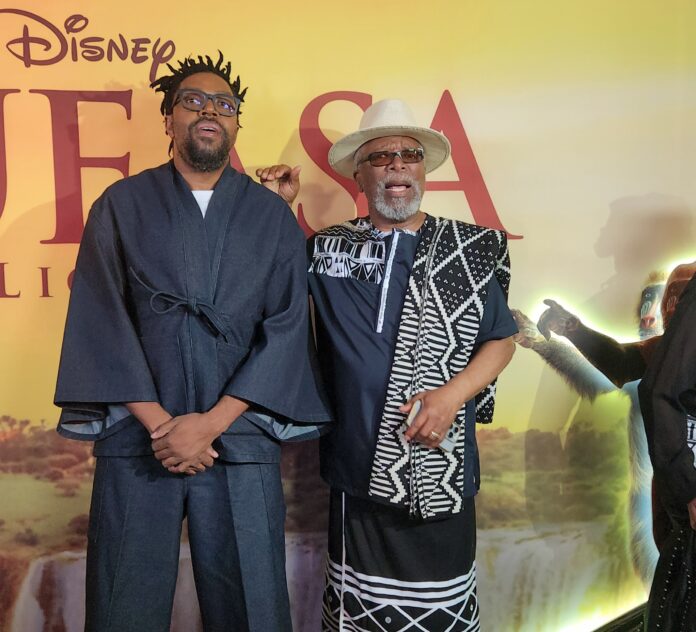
<point>200,308</point>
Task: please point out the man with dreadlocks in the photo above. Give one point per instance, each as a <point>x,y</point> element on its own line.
<point>187,358</point>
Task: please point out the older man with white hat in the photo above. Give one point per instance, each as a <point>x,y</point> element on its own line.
<point>412,329</point>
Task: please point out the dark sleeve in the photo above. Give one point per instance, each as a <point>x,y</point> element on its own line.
<point>485,400</point>
<point>497,321</point>
<point>666,394</point>
<point>621,363</point>
<point>101,361</point>
<point>281,374</point>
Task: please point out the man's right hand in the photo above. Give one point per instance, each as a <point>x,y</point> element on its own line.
<point>557,319</point>
<point>281,179</point>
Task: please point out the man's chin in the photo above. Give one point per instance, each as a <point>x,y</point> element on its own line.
<point>398,212</point>
<point>206,159</point>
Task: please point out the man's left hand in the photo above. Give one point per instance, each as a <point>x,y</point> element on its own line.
<point>692,513</point>
<point>281,179</point>
<point>182,439</point>
<point>439,409</point>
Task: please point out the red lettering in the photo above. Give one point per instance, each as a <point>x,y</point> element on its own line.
<point>317,145</point>
<point>67,159</point>
<point>471,182</point>
<point>44,283</point>
<point>139,52</point>
<point>446,120</point>
<point>3,286</point>
<point>3,152</point>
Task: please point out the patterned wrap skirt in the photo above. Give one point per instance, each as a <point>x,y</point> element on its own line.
<point>388,572</point>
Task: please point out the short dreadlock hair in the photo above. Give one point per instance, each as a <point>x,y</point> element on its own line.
<point>169,84</point>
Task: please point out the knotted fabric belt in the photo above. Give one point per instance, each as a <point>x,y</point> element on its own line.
<point>202,309</point>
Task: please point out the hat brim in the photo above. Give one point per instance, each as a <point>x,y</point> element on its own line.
<point>436,146</point>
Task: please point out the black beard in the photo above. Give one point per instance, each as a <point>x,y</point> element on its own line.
<point>203,159</point>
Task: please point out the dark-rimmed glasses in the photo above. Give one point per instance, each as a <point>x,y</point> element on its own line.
<point>197,100</point>
<point>384,158</point>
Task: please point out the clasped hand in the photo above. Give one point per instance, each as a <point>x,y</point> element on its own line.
<point>183,444</point>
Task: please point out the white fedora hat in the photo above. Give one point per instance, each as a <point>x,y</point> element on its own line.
<point>390,117</point>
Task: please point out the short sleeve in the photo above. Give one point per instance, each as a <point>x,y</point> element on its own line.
<point>497,322</point>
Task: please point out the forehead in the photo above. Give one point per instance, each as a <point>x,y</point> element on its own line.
<point>207,82</point>
<point>389,143</point>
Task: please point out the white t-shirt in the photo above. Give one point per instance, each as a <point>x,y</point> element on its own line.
<point>203,198</point>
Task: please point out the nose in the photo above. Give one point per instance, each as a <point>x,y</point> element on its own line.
<point>397,164</point>
<point>209,108</point>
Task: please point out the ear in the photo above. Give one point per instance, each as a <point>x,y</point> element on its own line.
<point>358,180</point>
<point>168,125</point>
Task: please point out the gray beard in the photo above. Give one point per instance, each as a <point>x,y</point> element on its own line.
<point>397,210</point>
<point>202,158</point>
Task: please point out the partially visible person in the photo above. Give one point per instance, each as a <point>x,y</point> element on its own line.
<point>623,362</point>
<point>187,358</point>
<point>668,401</point>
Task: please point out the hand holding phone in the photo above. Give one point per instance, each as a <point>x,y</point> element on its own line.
<point>446,444</point>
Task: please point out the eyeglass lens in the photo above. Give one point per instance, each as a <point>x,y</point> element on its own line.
<point>196,100</point>
<point>384,158</point>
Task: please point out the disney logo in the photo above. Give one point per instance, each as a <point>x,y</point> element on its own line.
<point>43,43</point>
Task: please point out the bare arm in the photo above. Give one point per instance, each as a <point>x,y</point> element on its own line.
<point>441,405</point>
<point>150,414</point>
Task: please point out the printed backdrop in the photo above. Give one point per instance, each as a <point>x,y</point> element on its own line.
<point>573,128</point>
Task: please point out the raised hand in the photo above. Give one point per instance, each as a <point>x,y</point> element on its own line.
<point>281,179</point>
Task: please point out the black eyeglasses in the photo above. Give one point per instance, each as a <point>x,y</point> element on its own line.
<point>196,100</point>
<point>384,158</point>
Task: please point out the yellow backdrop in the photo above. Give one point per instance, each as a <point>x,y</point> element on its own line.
<point>573,127</point>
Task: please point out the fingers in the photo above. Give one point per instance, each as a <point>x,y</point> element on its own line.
<point>199,464</point>
<point>162,453</point>
<point>277,172</point>
<point>429,435</point>
<point>163,429</point>
<point>158,445</point>
<point>552,304</point>
<point>171,461</point>
<point>406,408</point>
<point>414,430</point>
<point>429,426</point>
<point>212,453</point>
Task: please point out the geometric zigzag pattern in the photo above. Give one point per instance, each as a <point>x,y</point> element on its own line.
<point>440,319</point>
<point>349,250</point>
<point>355,602</point>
